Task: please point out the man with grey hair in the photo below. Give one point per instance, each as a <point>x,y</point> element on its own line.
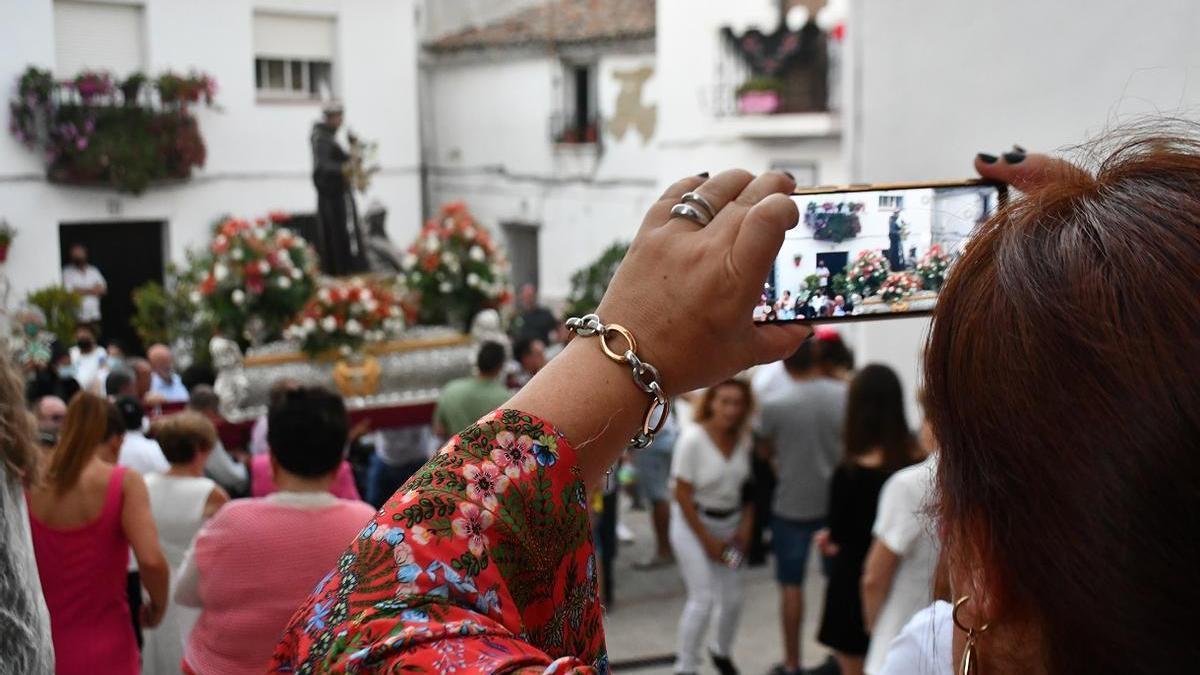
<point>221,466</point>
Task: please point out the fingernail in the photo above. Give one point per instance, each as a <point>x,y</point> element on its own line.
<point>1014,157</point>
<point>1018,148</point>
<point>986,158</point>
<point>789,175</point>
<point>703,175</point>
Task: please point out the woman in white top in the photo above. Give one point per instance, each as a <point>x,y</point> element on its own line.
<point>710,522</point>
<point>898,575</point>
<point>181,500</point>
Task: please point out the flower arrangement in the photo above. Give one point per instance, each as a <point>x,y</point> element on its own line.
<point>833,222</point>
<point>898,286</point>
<point>347,315</point>
<point>932,267</point>
<point>90,135</point>
<point>455,268</point>
<point>258,276</point>
<point>867,273</point>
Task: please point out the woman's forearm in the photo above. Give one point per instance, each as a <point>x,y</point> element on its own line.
<point>592,400</point>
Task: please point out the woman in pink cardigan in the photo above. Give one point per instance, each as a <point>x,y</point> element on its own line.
<point>257,559</point>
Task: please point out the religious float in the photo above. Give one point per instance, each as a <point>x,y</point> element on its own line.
<point>877,289</point>
<point>387,341</point>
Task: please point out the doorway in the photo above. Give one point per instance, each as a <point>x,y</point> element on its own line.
<point>128,254</point>
<point>522,241</point>
<point>835,261</point>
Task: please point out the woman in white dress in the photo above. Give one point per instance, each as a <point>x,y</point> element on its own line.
<point>181,500</point>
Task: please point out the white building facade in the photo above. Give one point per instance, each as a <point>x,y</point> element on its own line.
<point>274,62</point>
<point>547,129</point>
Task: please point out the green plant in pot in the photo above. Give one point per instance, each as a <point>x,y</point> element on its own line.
<point>59,307</point>
<point>7,234</point>
<point>759,95</point>
<point>589,283</point>
<point>131,88</point>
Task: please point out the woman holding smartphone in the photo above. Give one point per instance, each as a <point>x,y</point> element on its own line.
<point>711,522</point>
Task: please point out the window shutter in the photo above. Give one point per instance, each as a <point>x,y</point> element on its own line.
<point>98,36</point>
<point>291,36</point>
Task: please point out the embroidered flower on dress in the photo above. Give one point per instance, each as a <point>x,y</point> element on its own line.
<point>473,524</point>
<point>485,483</point>
<point>514,454</point>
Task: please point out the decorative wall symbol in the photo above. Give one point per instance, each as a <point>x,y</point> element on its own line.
<point>630,111</point>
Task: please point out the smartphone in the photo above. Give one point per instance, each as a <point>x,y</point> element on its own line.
<point>873,251</point>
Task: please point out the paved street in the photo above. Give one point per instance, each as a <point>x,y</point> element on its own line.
<point>643,620</point>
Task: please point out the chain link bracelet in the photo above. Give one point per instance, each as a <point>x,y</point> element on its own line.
<point>645,376</point>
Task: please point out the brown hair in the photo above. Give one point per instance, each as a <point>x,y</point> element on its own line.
<point>183,435</point>
<point>84,429</point>
<point>875,418</point>
<point>704,410</point>
<point>1063,381</point>
<point>18,449</point>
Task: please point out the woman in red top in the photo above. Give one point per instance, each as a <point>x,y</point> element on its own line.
<point>85,515</point>
<point>482,561</point>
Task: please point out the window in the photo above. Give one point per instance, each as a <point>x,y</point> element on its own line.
<point>891,202</point>
<point>99,36</point>
<point>579,118</point>
<point>293,56</point>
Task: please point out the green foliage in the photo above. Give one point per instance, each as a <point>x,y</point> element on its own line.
<point>589,283</point>
<point>838,284</point>
<point>811,283</point>
<point>171,314</point>
<point>60,307</point>
<point>152,314</point>
<point>760,83</point>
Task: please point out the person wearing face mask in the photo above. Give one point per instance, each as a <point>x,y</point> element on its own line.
<point>56,377</point>
<point>87,281</point>
<point>89,359</point>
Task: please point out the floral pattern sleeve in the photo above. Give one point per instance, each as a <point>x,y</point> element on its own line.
<point>481,563</point>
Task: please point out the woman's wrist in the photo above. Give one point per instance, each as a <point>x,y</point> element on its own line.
<point>590,399</point>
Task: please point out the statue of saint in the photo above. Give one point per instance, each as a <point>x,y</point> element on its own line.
<point>339,239</point>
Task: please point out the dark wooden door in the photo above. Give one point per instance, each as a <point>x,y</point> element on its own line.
<point>128,254</point>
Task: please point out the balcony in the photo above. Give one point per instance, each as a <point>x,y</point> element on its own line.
<point>778,85</point>
<point>572,130</point>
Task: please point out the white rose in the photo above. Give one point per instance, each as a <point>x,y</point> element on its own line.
<point>476,253</point>
<point>324,296</point>
<point>329,324</point>
<point>221,240</point>
<point>220,272</point>
<point>237,254</point>
<point>284,282</point>
<point>394,311</point>
<point>370,305</point>
<point>409,261</point>
<point>449,259</point>
<point>309,323</point>
<point>431,243</point>
<point>445,287</point>
<point>264,266</point>
<point>194,296</point>
<point>469,233</point>
<point>473,280</point>
<point>296,274</point>
<point>353,327</point>
<point>238,296</point>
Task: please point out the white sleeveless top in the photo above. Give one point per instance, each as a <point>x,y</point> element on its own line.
<point>177,503</point>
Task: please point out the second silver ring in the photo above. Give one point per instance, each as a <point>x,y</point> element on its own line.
<point>699,200</point>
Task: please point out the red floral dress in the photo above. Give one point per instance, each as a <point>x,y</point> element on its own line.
<point>481,563</point>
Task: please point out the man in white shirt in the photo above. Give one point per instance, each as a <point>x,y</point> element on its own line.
<point>87,281</point>
<point>89,359</point>
<point>138,452</point>
<point>165,383</point>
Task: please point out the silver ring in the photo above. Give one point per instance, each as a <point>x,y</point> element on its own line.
<point>691,213</point>
<point>699,200</point>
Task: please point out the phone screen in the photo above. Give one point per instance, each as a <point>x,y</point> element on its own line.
<point>872,253</point>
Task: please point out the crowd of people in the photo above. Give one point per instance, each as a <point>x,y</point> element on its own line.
<point>1061,524</point>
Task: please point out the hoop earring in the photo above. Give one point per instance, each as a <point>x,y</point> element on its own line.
<point>970,662</point>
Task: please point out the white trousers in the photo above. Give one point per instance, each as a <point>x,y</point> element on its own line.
<point>712,588</point>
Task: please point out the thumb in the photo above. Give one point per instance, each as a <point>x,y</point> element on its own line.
<point>775,342</point>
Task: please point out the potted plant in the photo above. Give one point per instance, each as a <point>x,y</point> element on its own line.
<point>759,96</point>
<point>93,84</point>
<point>131,88</point>
<point>7,233</point>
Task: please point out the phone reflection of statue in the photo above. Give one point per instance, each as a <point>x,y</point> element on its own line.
<point>895,252</point>
<point>339,240</point>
